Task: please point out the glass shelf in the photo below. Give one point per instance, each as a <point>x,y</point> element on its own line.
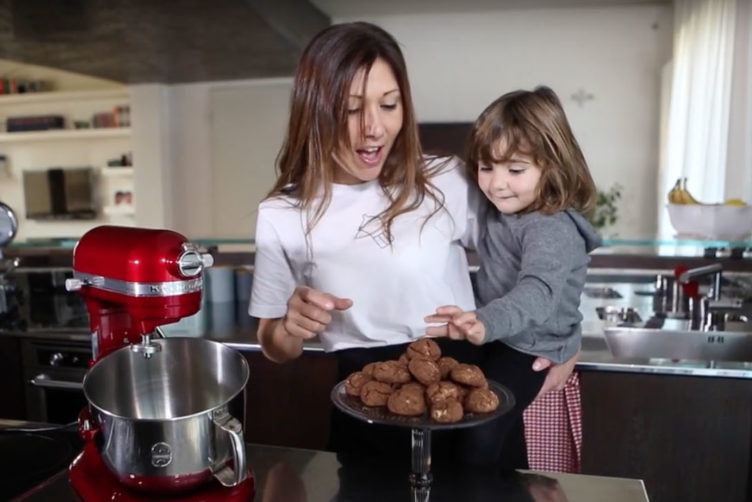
<point>676,247</point>
<point>58,242</point>
<point>678,242</point>
<point>70,242</point>
<point>654,247</point>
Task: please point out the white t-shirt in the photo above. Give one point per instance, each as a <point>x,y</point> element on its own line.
<point>347,255</point>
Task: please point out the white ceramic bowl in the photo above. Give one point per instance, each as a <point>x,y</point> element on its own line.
<point>711,221</point>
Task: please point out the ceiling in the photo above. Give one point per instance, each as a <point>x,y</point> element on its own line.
<point>171,41</point>
<point>174,41</point>
<point>353,8</point>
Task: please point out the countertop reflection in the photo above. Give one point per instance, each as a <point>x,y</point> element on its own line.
<point>294,475</point>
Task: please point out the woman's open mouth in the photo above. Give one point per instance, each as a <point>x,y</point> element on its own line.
<point>371,156</point>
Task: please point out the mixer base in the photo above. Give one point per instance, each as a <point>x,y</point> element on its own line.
<point>93,482</point>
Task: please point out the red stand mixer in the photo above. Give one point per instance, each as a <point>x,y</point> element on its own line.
<point>157,426</point>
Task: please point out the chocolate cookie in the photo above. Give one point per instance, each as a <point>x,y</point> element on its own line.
<point>391,372</point>
<point>355,382</point>
<point>443,390</point>
<point>425,348</point>
<point>375,393</point>
<point>414,387</point>
<point>462,392</point>
<point>481,401</point>
<point>469,374</point>
<point>447,412</point>
<point>368,369</point>
<point>446,365</point>
<point>425,371</point>
<point>407,403</point>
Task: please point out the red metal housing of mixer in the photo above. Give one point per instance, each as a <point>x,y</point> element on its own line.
<point>135,279</point>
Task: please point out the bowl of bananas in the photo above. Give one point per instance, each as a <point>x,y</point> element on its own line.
<point>729,220</point>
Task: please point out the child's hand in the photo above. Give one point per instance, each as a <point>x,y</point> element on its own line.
<point>458,325</point>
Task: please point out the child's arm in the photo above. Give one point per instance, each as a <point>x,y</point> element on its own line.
<point>556,374</point>
<point>550,248</point>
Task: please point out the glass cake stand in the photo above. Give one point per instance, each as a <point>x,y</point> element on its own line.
<point>421,428</point>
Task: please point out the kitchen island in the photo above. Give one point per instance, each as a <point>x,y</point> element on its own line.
<point>297,475</point>
<point>653,410</point>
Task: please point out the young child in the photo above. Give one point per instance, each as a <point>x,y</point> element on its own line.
<point>533,242</point>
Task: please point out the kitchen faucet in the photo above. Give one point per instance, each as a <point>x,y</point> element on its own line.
<point>711,315</point>
<point>714,269</point>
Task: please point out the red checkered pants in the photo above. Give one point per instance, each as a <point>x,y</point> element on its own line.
<point>553,429</point>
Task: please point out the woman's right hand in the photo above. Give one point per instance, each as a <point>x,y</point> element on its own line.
<point>308,311</point>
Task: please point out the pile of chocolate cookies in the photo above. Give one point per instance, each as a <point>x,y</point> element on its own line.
<point>422,380</point>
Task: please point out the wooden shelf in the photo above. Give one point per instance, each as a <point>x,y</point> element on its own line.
<point>122,210</point>
<point>123,171</point>
<point>52,96</point>
<point>66,134</point>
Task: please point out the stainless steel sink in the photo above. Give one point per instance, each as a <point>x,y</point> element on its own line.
<point>643,342</point>
<point>594,343</point>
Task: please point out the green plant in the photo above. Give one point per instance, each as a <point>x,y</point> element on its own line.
<point>606,211</point>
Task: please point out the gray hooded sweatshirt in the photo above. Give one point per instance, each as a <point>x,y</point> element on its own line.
<point>533,269</point>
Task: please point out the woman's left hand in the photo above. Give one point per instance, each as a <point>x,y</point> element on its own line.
<point>557,375</point>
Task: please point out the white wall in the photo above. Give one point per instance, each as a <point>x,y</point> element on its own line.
<point>459,63</point>
<point>247,130</point>
<point>154,169</point>
<point>224,138</point>
<point>739,159</point>
<point>190,119</point>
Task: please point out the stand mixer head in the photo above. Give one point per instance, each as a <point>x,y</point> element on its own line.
<point>134,280</point>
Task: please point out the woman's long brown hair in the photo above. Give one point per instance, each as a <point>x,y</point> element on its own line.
<point>533,123</point>
<point>318,124</point>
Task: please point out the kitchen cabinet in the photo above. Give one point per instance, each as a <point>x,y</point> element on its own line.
<point>12,403</point>
<point>687,437</point>
<point>288,404</point>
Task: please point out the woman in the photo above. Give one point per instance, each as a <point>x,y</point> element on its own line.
<point>362,234</point>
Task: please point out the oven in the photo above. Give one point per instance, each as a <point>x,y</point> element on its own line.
<point>53,371</point>
<point>55,344</point>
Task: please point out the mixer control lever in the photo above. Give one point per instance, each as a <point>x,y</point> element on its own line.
<point>75,284</point>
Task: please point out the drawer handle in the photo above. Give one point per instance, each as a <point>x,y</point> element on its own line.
<point>43,380</point>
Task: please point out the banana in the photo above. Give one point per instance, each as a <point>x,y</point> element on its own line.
<point>735,202</point>
<point>680,195</point>
<point>675,194</point>
<point>687,197</point>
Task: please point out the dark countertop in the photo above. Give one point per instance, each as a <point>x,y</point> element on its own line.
<point>292,475</point>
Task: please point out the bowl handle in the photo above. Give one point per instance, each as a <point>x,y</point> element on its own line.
<point>87,426</point>
<point>229,424</point>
